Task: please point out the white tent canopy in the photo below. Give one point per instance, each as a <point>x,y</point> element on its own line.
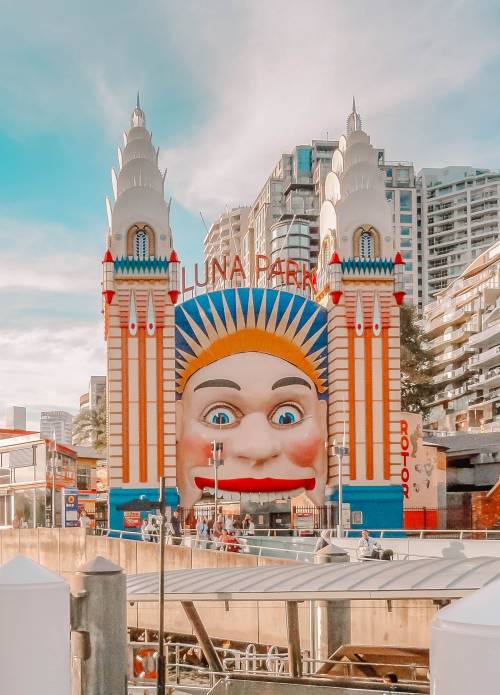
<point>430,578</point>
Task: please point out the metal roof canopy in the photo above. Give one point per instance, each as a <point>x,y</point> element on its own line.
<point>434,578</point>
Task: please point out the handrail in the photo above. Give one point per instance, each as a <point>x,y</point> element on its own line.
<point>300,554</point>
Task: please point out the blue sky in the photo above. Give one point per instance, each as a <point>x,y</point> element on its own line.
<point>227,86</point>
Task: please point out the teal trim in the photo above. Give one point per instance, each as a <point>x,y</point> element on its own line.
<point>127,264</point>
<point>367,265</point>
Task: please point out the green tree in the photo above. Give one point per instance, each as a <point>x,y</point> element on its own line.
<point>89,427</point>
<point>417,387</point>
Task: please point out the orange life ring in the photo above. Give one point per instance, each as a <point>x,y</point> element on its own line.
<point>145,663</point>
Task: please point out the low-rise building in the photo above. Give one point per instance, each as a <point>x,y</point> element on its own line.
<point>38,475</point>
<point>462,329</point>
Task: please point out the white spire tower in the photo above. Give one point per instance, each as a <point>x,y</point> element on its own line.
<point>140,288</point>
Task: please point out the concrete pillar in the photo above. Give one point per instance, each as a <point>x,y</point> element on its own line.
<point>99,629</point>
<point>333,618</point>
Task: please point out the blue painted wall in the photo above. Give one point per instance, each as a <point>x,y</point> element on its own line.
<point>382,505</point>
<point>118,496</point>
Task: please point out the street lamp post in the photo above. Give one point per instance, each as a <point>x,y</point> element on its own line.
<point>216,461</point>
<point>340,451</point>
<point>160,683</point>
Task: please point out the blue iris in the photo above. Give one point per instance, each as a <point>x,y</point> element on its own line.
<point>286,418</point>
<point>220,419</point>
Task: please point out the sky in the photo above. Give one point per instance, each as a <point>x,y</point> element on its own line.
<point>227,86</point>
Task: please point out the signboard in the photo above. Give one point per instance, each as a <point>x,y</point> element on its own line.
<point>131,519</point>
<point>71,508</point>
<point>423,474</point>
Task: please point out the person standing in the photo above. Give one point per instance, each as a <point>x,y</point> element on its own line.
<point>176,528</point>
<point>229,524</point>
<point>145,531</point>
<point>217,529</point>
<point>84,521</point>
<point>202,532</point>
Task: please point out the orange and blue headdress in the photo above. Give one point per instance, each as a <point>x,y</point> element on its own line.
<point>274,322</point>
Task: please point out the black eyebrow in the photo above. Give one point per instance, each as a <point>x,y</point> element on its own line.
<point>218,383</point>
<point>290,381</point>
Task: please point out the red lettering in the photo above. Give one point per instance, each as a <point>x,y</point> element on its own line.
<point>292,268</point>
<point>196,278</point>
<point>222,270</point>
<point>237,268</point>
<point>404,426</point>
<point>406,490</point>
<point>307,278</point>
<point>405,455</point>
<point>405,475</point>
<point>261,265</point>
<point>276,269</point>
<point>184,286</point>
<point>405,442</point>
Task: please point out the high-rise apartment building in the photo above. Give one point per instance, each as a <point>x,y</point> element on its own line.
<point>459,221</point>
<point>224,239</point>
<point>97,389</point>
<point>401,192</point>
<point>57,424</point>
<point>284,219</point>
<point>462,328</point>
<point>283,222</point>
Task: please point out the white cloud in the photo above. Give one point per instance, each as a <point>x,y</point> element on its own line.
<point>49,366</point>
<point>32,258</point>
<point>283,73</point>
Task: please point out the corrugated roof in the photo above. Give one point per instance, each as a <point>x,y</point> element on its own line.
<point>427,578</point>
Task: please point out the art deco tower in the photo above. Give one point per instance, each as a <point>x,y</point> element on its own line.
<point>360,280</point>
<point>140,288</point>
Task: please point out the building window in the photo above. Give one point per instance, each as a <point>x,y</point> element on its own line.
<point>406,243</point>
<point>405,231</point>
<point>405,219</point>
<point>388,196</point>
<point>366,245</point>
<point>405,200</point>
<point>141,245</point>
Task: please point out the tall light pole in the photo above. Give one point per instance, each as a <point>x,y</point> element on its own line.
<point>160,669</point>
<point>341,451</point>
<point>216,461</point>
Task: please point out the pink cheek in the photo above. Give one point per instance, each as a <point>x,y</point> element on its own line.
<point>305,453</point>
<point>197,450</point>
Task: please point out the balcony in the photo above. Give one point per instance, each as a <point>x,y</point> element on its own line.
<point>486,358</point>
<point>491,378</point>
<point>489,336</point>
<point>451,375</point>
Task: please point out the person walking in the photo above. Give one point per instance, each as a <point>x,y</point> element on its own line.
<point>84,521</point>
<point>176,528</point>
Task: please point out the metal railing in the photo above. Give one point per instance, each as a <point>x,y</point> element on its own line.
<point>273,662</point>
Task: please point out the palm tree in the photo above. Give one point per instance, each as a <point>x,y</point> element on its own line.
<point>89,427</point>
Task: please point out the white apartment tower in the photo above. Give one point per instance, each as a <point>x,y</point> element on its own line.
<point>459,221</point>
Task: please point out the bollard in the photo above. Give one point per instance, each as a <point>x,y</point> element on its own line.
<point>34,630</point>
<point>99,629</point>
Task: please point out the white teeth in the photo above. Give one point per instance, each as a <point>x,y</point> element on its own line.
<point>257,497</point>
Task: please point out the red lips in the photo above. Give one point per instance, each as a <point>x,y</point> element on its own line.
<point>257,484</point>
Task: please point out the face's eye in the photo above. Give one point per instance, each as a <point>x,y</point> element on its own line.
<point>285,415</point>
<point>220,416</point>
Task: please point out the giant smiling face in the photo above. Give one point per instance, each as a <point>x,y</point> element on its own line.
<point>268,416</point>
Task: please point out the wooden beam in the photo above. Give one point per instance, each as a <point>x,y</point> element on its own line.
<point>202,636</point>
<point>293,636</point>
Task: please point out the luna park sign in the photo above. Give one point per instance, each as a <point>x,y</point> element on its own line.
<point>227,270</point>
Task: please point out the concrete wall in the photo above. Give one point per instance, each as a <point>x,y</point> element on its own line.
<point>374,622</point>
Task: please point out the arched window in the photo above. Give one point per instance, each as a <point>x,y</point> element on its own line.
<point>141,245</point>
<point>366,245</point>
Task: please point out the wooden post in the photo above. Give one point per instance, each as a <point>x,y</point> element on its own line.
<point>293,635</point>
<point>202,636</point>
